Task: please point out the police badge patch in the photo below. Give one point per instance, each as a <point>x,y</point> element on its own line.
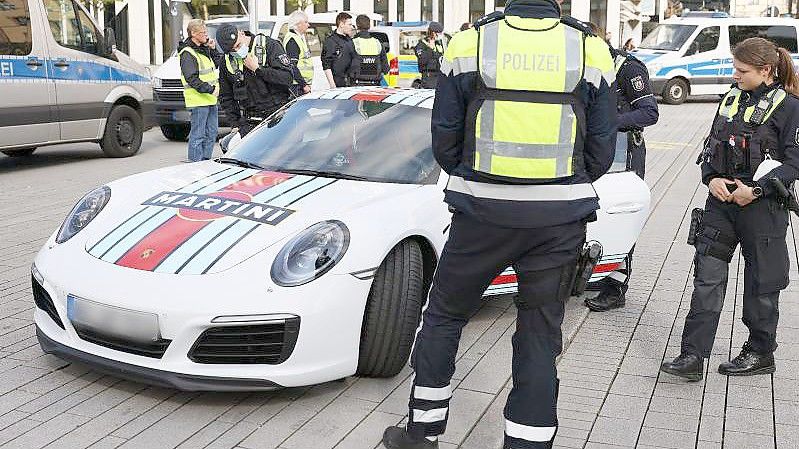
<point>284,59</point>
<point>637,83</point>
<point>796,137</point>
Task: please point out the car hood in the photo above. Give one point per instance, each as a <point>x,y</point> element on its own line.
<point>208,217</point>
<point>646,56</point>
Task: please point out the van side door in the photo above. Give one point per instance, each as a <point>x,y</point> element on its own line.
<point>83,78</point>
<point>26,117</point>
<point>704,58</point>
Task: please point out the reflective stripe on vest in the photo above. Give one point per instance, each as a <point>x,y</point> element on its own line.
<point>517,192</point>
<point>512,59</point>
<point>239,64</point>
<point>207,73</point>
<point>304,63</point>
<point>767,105</point>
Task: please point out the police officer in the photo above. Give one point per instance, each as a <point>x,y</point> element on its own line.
<point>338,53</point>
<point>371,63</point>
<point>523,128</point>
<point>299,53</point>
<point>428,53</point>
<point>255,76</point>
<point>200,78</point>
<point>637,109</point>
<point>758,119</point>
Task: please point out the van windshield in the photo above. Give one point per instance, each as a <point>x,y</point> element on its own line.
<point>264,27</point>
<point>667,37</point>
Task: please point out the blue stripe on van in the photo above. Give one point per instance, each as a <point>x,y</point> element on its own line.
<point>17,69</point>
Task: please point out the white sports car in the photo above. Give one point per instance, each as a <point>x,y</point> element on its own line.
<point>303,256</point>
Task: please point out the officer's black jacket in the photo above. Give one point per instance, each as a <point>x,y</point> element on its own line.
<point>784,123</point>
<point>293,50</point>
<point>637,105</point>
<point>455,93</point>
<point>190,69</point>
<point>338,56</point>
<point>263,92</point>
<point>428,58</point>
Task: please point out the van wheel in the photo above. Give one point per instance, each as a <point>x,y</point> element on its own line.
<point>24,152</point>
<point>176,133</point>
<point>416,84</point>
<point>393,310</point>
<point>675,91</point>
<point>123,132</point>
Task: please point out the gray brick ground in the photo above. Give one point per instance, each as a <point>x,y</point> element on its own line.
<point>612,395</point>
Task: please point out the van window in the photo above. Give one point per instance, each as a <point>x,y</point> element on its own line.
<point>15,28</point>
<point>408,41</point>
<point>63,23</point>
<point>91,37</point>
<point>782,35</point>
<point>706,40</point>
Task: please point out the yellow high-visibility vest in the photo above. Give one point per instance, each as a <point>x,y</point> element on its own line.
<point>304,63</point>
<point>208,74</point>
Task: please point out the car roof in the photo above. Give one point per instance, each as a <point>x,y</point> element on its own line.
<point>422,98</point>
<point>732,21</point>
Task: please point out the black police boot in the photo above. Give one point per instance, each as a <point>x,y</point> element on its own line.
<point>611,297</point>
<point>398,438</point>
<point>748,363</point>
<point>688,366</point>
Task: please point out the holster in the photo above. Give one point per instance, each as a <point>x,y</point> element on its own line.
<point>589,257</point>
<point>696,222</point>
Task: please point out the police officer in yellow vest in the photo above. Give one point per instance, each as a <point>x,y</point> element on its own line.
<point>200,77</point>
<point>523,122</point>
<point>299,53</point>
<point>372,62</point>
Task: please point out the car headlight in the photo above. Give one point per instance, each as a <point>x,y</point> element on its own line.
<point>156,82</point>
<point>310,254</point>
<point>83,213</point>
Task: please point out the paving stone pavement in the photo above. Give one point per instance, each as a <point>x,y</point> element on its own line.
<point>612,395</point>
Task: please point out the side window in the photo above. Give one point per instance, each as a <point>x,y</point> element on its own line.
<point>63,23</point>
<point>15,28</point>
<point>91,37</point>
<point>316,36</point>
<point>706,40</point>
<point>408,41</point>
<point>783,36</point>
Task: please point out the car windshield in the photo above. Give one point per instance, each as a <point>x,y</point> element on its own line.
<point>667,37</point>
<point>357,139</point>
<point>264,27</point>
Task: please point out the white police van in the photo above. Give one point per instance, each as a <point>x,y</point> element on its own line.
<point>692,55</point>
<point>61,80</point>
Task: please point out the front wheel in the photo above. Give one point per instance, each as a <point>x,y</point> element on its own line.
<point>393,310</point>
<point>23,152</point>
<point>675,91</point>
<point>123,132</point>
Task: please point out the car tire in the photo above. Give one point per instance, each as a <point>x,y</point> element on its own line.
<point>393,311</point>
<point>23,152</point>
<point>675,91</point>
<point>416,84</point>
<point>176,133</point>
<point>123,132</point>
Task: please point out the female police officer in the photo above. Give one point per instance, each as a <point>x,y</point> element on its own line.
<point>758,119</point>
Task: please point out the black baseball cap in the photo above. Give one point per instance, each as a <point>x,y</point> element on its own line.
<point>226,37</point>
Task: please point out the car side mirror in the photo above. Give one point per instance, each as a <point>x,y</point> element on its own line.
<point>109,42</point>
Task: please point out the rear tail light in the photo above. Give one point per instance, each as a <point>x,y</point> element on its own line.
<point>393,67</point>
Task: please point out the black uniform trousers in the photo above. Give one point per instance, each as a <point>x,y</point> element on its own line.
<point>620,277</point>
<point>760,227</point>
<point>475,253</point>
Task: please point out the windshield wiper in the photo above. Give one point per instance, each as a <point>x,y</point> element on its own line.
<point>240,163</point>
<point>323,173</point>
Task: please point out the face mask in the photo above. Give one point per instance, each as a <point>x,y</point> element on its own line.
<point>242,51</point>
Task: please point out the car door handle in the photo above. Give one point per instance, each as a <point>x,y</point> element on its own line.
<point>34,62</point>
<point>625,208</point>
<point>61,63</point>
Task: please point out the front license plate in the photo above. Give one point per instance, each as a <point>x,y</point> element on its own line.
<point>181,116</point>
<point>113,321</point>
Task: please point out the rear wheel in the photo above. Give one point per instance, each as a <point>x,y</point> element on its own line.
<point>23,152</point>
<point>675,91</point>
<point>393,310</point>
<point>177,133</point>
<point>123,132</point>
